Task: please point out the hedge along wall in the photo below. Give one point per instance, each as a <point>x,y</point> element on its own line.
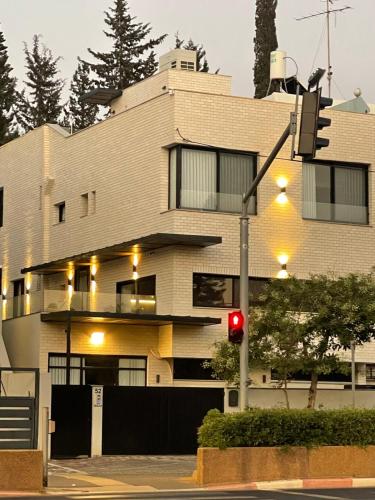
<point>264,428</point>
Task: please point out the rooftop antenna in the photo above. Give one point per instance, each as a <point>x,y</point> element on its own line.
<point>327,13</point>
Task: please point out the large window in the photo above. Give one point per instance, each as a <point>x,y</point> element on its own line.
<point>335,192</point>
<point>210,179</point>
<point>137,296</point>
<point>191,369</point>
<point>213,290</point>
<point>98,370</point>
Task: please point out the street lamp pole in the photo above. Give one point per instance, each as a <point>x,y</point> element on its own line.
<point>244,268</point>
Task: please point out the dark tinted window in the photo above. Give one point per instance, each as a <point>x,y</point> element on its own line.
<point>190,369</point>
<point>211,290</point>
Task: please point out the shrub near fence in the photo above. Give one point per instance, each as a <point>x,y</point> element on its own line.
<point>284,428</point>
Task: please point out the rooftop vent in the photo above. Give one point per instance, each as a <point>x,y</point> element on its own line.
<point>181,59</point>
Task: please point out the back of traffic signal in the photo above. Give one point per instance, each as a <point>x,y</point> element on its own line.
<point>312,123</point>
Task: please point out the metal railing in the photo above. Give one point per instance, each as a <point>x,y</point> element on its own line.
<point>63,300</point>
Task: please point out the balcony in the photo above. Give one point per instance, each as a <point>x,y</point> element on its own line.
<point>62,300</point>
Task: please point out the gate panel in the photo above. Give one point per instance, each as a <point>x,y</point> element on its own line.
<point>155,420</point>
<point>17,423</point>
<point>71,410</point>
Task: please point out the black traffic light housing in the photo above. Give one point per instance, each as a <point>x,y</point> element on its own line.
<point>235,327</point>
<point>311,122</point>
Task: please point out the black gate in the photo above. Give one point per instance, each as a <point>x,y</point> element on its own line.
<point>17,423</point>
<point>155,420</point>
<point>71,410</point>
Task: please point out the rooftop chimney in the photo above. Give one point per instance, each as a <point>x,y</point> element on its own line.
<point>180,59</point>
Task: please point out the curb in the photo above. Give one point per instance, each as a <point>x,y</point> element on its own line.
<point>299,484</point>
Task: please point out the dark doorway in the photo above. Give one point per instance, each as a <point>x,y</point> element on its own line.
<point>155,420</point>
<point>71,410</point>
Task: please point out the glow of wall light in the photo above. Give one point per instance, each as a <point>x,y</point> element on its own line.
<point>97,338</point>
<point>282,197</point>
<point>93,271</point>
<point>135,261</point>
<point>283,259</point>
<point>283,274</point>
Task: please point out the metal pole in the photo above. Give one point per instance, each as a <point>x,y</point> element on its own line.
<point>244,305</point>
<point>45,438</point>
<point>68,347</point>
<point>329,74</point>
<point>352,349</point>
<point>244,269</point>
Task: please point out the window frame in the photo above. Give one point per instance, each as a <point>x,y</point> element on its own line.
<point>179,147</point>
<point>82,367</point>
<point>60,212</point>
<point>233,277</point>
<point>333,164</point>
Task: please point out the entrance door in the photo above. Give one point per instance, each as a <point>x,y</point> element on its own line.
<point>71,410</point>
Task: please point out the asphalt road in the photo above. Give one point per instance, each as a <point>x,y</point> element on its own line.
<point>331,494</point>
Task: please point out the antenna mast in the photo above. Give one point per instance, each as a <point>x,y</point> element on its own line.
<point>327,13</point>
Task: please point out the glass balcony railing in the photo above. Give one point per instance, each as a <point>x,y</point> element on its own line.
<point>62,300</point>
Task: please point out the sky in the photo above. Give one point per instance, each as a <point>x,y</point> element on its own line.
<point>226,28</point>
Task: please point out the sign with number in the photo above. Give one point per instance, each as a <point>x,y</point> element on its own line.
<point>98,396</point>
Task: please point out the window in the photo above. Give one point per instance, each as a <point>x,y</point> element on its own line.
<point>213,290</point>
<point>60,212</point>
<point>210,179</point>
<point>137,296</point>
<point>84,204</point>
<point>1,207</point>
<point>370,373</point>
<point>191,369</point>
<point>98,370</point>
<point>187,65</point>
<point>335,192</point>
<point>333,376</point>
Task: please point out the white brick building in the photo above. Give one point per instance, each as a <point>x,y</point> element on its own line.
<point>155,190</point>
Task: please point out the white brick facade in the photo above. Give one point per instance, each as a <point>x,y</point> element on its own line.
<point>123,162</point>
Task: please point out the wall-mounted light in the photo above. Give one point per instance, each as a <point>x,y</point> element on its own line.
<point>282,197</point>
<point>93,271</point>
<point>27,291</point>
<point>283,261</point>
<point>97,338</point>
<point>135,266</point>
<point>4,296</point>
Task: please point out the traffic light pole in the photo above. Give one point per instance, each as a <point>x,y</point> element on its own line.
<point>244,268</point>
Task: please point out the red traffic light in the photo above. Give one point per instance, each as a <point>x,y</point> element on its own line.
<point>235,324</point>
<point>235,319</point>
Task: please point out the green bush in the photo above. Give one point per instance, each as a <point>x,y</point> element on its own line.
<point>279,427</point>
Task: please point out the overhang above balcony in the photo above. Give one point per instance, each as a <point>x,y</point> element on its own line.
<point>102,96</point>
<point>140,245</point>
<point>128,318</point>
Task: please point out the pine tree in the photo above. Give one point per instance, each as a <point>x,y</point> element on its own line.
<point>8,95</point>
<point>198,48</point>
<point>265,42</point>
<point>79,114</point>
<point>132,57</point>
<point>41,104</point>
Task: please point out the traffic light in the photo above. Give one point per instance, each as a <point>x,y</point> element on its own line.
<point>311,122</point>
<point>235,324</point>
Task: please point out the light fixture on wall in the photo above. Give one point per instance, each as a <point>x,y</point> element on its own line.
<point>97,338</point>
<point>282,197</point>
<point>4,296</point>
<point>135,260</point>
<point>283,260</point>
<point>93,270</point>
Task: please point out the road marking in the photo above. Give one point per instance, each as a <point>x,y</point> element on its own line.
<point>314,495</point>
<point>68,469</point>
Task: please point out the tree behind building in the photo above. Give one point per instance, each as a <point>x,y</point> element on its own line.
<point>132,57</point>
<point>40,102</point>
<point>265,42</point>
<point>8,95</point>
<point>79,114</point>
